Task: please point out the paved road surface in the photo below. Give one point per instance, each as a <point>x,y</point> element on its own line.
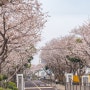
<point>37,85</point>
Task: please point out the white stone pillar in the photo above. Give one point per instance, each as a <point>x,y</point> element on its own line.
<point>20,82</point>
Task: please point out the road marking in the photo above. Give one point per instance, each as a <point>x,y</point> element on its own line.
<point>37,86</point>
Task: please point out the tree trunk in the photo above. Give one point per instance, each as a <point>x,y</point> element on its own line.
<point>0,68</point>
<point>0,74</point>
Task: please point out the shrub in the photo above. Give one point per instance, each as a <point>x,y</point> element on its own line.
<point>1,77</point>
<point>4,77</point>
<point>8,89</point>
<point>1,88</point>
<point>12,85</point>
<point>5,88</point>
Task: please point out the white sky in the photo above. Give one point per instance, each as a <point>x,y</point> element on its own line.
<point>65,15</point>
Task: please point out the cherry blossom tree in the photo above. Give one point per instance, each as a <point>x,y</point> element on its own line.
<point>62,55</point>
<point>82,32</point>
<point>21,23</point>
<point>53,56</point>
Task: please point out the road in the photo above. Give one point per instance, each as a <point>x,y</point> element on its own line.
<point>37,85</point>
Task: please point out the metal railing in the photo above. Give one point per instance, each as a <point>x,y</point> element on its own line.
<point>77,86</point>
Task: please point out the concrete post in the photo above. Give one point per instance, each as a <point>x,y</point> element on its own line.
<point>20,82</point>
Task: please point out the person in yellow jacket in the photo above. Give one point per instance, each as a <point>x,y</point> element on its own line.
<point>76,79</point>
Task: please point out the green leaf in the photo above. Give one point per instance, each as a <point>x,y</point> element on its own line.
<point>78,40</point>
